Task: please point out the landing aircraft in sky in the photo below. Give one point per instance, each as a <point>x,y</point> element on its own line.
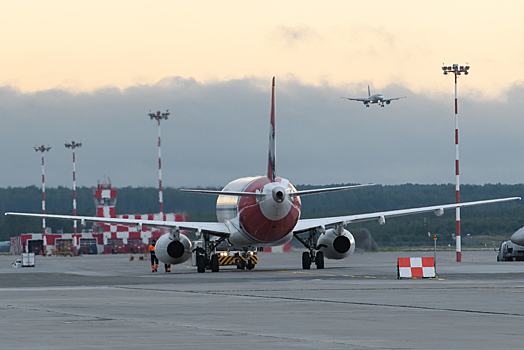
<point>376,98</point>
<point>261,211</point>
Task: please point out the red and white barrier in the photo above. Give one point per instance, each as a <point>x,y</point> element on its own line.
<point>286,248</point>
<point>416,267</point>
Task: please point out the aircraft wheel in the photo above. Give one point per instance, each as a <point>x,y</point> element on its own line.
<point>201,263</point>
<point>250,265</point>
<point>306,261</point>
<point>241,264</point>
<point>214,263</point>
<point>319,260</point>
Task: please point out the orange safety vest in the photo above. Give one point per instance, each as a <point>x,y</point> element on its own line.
<point>152,248</point>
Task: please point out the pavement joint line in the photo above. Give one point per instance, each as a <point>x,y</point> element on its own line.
<point>229,294</point>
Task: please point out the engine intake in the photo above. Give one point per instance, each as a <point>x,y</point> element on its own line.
<point>170,251</point>
<point>336,246</point>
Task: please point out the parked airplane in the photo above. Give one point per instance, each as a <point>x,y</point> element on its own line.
<point>262,211</point>
<point>518,236</point>
<point>376,98</point>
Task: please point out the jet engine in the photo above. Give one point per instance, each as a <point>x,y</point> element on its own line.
<point>171,251</point>
<point>336,246</point>
<point>388,102</point>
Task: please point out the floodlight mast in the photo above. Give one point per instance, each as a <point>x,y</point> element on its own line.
<point>43,149</point>
<point>158,116</point>
<point>72,145</point>
<point>457,70</point>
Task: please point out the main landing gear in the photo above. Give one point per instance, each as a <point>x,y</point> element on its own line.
<point>205,253</point>
<point>314,255</point>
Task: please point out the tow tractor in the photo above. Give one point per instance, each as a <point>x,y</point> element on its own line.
<point>245,258</point>
<point>242,259</point>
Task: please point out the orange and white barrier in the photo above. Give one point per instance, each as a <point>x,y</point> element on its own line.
<point>416,267</point>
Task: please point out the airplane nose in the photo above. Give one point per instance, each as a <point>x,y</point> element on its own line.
<point>518,236</point>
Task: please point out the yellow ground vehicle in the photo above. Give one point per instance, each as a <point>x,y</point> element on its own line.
<point>243,260</point>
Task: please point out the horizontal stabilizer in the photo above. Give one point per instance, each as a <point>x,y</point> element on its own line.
<point>226,193</point>
<point>331,189</point>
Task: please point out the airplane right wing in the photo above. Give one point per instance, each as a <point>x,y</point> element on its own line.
<point>307,224</point>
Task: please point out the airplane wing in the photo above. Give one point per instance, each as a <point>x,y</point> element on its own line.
<point>392,99</point>
<point>307,224</point>
<point>214,228</point>
<point>355,99</point>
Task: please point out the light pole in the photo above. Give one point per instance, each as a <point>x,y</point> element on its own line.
<point>457,70</point>
<point>43,149</point>
<point>74,145</point>
<point>158,116</point>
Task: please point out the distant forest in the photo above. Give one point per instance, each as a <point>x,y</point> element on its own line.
<point>494,219</point>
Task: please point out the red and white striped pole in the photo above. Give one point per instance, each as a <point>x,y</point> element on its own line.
<point>43,149</point>
<point>456,70</point>
<point>457,182</point>
<point>158,116</point>
<point>74,145</point>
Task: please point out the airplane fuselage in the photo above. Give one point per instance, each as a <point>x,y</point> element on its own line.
<point>377,98</point>
<point>262,221</point>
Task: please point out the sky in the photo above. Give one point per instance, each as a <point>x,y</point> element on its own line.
<point>90,71</point>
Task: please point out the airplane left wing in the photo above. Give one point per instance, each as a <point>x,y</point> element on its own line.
<point>392,99</point>
<point>214,228</point>
<point>307,224</point>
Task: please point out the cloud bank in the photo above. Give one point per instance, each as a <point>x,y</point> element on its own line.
<point>218,132</point>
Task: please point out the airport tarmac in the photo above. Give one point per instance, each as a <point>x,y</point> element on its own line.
<point>358,303</point>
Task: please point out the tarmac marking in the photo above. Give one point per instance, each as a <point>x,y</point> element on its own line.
<point>333,275</point>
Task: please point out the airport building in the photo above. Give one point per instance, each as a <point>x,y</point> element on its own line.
<point>103,238</point>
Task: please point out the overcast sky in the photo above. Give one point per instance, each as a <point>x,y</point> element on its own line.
<point>91,71</point>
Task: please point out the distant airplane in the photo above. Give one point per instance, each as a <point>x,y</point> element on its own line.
<point>518,237</point>
<point>5,246</point>
<point>262,211</point>
<point>376,98</point>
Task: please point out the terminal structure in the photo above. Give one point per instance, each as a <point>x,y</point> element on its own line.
<point>103,238</point>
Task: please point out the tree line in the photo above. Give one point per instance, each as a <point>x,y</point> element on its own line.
<point>493,219</point>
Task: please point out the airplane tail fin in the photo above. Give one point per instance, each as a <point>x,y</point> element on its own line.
<point>271,172</point>
<point>369,92</point>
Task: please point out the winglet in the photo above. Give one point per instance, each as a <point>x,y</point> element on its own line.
<point>271,172</point>
<point>369,92</point>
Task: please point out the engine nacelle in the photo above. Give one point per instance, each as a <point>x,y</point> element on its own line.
<point>334,246</point>
<point>170,251</point>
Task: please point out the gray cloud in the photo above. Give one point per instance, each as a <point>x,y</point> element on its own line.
<point>289,36</point>
<point>218,132</point>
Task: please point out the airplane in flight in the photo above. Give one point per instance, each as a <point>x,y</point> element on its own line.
<point>376,98</point>
<point>261,211</point>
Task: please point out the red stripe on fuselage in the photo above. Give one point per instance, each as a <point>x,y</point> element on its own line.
<point>257,225</point>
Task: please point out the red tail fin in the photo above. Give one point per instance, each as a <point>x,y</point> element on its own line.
<point>271,171</point>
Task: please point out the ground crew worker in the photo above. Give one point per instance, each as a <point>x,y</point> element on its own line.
<point>154,259</point>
